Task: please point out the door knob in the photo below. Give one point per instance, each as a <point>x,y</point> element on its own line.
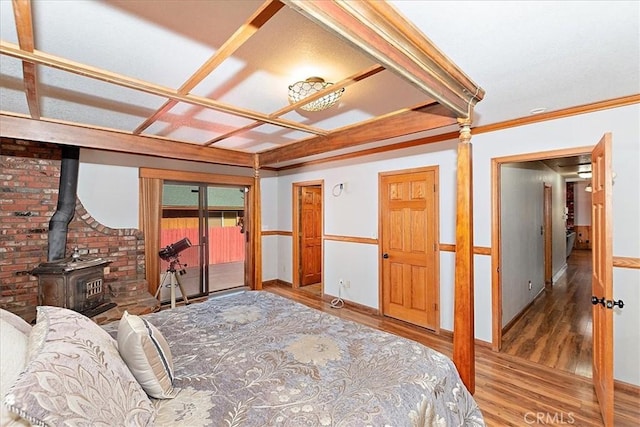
<point>611,304</point>
<point>385,256</point>
<point>606,302</point>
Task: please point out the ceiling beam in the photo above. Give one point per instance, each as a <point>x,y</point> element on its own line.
<point>242,34</point>
<point>38,57</point>
<point>374,69</point>
<point>402,122</point>
<point>379,30</point>
<point>24,28</point>
<point>102,139</point>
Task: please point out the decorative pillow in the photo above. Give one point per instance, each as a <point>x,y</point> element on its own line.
<point>76,377</point>
<point>13,356</point>
<point>16,321</point>
<point>147,354</point>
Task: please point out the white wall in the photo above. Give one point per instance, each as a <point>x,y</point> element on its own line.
<point>581,204</point>
<point>108,179</point>
<point>579,131</point>
<point>355,213</point>
<point>522,199</point>
<point>270,250</point>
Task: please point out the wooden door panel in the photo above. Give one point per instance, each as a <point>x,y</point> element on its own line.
<point>396,230</point>
<point>602,276</point>
<point>418,296</point>
<point>409,226</point>
<point>311,235</point>
<point>396,290</point>
<point>417,231</point>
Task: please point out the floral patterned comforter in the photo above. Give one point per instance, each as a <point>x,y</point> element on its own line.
<point>257,359</point>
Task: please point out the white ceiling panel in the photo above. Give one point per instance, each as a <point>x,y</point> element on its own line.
<point>189,123</point>
<point>83,99</point>
<point>12,95</point>
<point>52,79</point>
<point>258,91</point>
<point>532,54</point>
<point>273,135</point>
<point>7,22</point>
<point>103,36</point>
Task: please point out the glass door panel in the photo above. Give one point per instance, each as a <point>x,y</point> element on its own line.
<point>181,218</point>
<point>226,237</point>
<point>212,219</point>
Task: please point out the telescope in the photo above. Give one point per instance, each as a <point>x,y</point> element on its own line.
<point>171,251</point>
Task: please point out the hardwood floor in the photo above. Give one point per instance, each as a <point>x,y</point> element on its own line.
<point>221,277</point>
<point>509,390</point>
<point>555,330</point>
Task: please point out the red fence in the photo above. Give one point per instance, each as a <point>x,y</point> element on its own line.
<point>226,244</point>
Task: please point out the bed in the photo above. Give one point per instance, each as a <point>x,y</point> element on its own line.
<point>253,358</point>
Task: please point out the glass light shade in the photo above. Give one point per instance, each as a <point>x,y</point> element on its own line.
<point>588,188</point>
<point>302,89</point>
<point>585,175</point>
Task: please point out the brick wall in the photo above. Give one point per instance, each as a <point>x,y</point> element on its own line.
<point>29,175</point>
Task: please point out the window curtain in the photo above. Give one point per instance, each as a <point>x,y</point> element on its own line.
<point>150,217</point>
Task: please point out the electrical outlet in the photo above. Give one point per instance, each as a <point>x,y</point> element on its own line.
<point>347,284</point>
<point>529,284</point>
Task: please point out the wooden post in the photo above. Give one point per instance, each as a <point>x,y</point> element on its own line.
<point>256,229</point>
<point>463,325</point>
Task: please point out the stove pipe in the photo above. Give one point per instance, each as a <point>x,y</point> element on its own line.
<point>67,189</point>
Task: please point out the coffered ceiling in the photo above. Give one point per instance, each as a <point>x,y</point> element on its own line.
<point>208,80</point>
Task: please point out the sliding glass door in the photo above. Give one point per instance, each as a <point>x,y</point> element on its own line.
<point>212,219</point>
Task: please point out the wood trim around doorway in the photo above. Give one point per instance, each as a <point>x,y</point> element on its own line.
<point>253,269</point>
<point>295,234</point>
<point>496,276</point>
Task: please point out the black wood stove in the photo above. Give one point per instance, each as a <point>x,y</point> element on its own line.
<point>76,283</point>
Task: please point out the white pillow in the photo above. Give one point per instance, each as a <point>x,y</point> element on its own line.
<point>16,321</point>
<point>147,354</point>
<point>13,358</point>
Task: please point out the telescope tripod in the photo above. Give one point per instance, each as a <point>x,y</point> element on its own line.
<point>174,279</point>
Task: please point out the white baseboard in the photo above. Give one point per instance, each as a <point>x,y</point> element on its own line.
<point>559,273</point>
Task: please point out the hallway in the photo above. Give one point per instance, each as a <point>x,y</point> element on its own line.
<point>555,331</point>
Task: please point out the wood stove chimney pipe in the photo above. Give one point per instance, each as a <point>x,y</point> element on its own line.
<point>65,210</point>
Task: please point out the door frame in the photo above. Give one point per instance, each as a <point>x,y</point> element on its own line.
<point>296,188</point>
<point>496,229</point>
<point>252,220</point>
<point>547,221</point>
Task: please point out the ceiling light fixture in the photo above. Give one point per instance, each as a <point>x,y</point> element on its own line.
<point>585,174</point>
<point>303,89</point>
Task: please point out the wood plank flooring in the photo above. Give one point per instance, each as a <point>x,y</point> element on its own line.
<point>509,390</point>
<point>221,277</point>
<point>556,329</point>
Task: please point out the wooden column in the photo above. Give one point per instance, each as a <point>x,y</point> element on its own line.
<point>256,229</point>
<point>463,325</point>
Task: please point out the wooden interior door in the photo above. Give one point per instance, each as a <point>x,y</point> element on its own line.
<point>602,278</point>
<point>311,235</point>
<point>409,226</point>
